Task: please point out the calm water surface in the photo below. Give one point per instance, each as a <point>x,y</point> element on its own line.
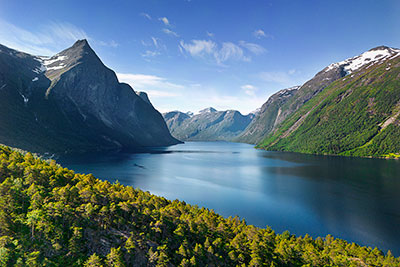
<point>354,199</point>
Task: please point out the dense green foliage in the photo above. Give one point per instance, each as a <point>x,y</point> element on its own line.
<point>347,117</point>
<point>51,216</point>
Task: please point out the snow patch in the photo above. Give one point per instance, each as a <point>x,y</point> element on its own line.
<point>370,57</point>
<point>53,63</point>
<point>25,98</point>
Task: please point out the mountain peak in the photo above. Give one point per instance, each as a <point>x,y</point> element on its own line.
<point>384,47</point>
<point>81,45</point>
<point>208,110</point>
<point>372,56</point>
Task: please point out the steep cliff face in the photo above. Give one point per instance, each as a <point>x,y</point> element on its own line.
<point>72,102</point>
<point>208,125</point>
<point>267,117</point>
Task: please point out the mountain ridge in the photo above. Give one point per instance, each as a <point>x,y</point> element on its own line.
<point>72,101</point>
<point>208,125</point>
<point>356,114</point>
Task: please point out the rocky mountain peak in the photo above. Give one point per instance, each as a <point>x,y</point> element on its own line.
<point>208,110</point>
<point>384,47</point>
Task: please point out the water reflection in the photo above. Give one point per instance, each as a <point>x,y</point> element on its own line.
<point>355,199</point>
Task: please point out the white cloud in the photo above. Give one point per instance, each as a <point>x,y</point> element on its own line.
<point>147,16</point>
<point>158,93</point>
<point>204,48</point>
<point>210,34</point>
<point>259,34</point>
<point>165,21</point>
<point>169,32</point>
<point>167,95</point>
<point>249,89</point>
<point>140,82</point>
<point>199,47</point>
<point>254,48</point>
<point>155,86</point>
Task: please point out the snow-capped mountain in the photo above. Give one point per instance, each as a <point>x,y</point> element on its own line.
<point>374,56</point>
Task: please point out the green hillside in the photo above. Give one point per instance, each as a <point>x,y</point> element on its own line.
<point>353,116</point>
<point>51,216</point>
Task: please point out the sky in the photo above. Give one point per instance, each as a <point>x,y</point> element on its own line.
<point>192,54</point>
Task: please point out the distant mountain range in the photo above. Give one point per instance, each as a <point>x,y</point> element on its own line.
<point>208,125</point>
<point>349,108</point>
<point>72,102</point>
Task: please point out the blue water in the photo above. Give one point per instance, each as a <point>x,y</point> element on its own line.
<point>354,199</point>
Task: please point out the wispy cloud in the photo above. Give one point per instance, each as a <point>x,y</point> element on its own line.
<point>284,78</point>
<point>147,16</point>
<point>199,47</point>
<point>47,40</point>
<point>112,43</point>
<point>209,49</point>
<point>249,89</point>
<point>259,34</point>
<point>150,53</point>
<point>230,51</point>
<point>165,21</point>
<point>155,41</point>
<point>210,34</point>
<point>169,32</point>
<point>154,47</point>
<point>254,48</point>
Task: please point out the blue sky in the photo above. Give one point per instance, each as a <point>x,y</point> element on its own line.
<point>189,55</point>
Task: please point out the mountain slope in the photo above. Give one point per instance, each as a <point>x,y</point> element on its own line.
<point>51,216</point>
<point>356,115</point>
<point>72,102</point>
<point>208,125</point>
<point>278,107</point>
<point>267,117</point>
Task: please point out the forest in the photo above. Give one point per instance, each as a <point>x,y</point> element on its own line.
<point>52,216</point>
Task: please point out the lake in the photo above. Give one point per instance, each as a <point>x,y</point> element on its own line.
<point>350,198</point>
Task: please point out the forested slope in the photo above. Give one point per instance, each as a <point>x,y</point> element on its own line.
<point>51,216</point>
<point>356,115</point>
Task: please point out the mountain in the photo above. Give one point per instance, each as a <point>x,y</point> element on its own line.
<point>285,102</point>
<point>208,125</point>
<point>267,117</point>
<point>72,102</point>
<point>355,113</point>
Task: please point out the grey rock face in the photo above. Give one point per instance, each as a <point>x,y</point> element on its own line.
<point>144,97</point>
<point>208,125</point>
<point>267,117</point>
<point>72,102</point>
